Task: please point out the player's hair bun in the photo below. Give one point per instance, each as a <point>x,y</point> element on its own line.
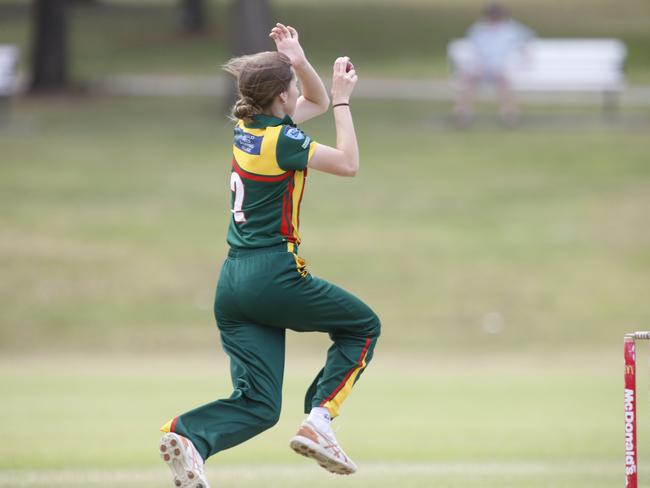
<point>260,78</point>
<point>245,108</point>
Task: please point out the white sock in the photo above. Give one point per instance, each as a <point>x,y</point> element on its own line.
<point>320,417</point>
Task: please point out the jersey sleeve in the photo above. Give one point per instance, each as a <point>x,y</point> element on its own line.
<point>294,148</point>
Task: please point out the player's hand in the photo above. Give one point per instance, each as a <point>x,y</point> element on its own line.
<point>286,42</point>
<point>343,81</point>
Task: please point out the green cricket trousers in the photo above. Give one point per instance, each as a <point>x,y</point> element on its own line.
<point>261,293</point>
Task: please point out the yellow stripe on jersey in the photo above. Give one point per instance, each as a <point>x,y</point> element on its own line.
<point>312,148</point>
<point>266,162</point>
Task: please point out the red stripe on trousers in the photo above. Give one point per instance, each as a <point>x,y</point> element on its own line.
<point>347,376</point>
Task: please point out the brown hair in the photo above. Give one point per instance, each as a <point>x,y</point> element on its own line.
<point>260,78</point>
<point>496,12</point>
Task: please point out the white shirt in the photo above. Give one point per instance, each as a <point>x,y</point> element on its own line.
<point>495,42</point>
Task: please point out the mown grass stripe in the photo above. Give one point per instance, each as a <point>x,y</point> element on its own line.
<point>242,472</point>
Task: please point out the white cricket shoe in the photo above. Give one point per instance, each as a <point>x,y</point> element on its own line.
<point>323,447</point>
<point>184,460</point>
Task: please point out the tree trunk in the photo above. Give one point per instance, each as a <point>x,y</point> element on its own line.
<point>251,23</point>
<point>192,16</point>
<point>49,45</point>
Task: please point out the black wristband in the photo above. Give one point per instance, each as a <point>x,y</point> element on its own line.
<point>340,105</point>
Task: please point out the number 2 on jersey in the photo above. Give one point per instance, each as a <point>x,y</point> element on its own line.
<point>237,185</point>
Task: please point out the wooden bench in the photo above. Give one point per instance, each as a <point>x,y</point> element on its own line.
<point>559,65</point>
<point>8,77</point>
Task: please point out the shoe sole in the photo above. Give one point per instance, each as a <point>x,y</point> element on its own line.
<point>308,448</point>
<point>171,452</point>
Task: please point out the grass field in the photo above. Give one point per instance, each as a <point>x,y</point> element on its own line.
<point>505,265</point>
<point>113,217</point>
<point>405,39</point>
<point>468,421</point>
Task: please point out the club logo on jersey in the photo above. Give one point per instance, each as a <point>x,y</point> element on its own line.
<point>294,133</point>
<point>248,142</point>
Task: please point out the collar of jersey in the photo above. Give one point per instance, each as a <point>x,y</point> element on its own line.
<point>260,121</point>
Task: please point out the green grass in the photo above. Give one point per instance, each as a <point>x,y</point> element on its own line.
<point>113,215</point>
<point>405,39</point>
<point>465,421</point>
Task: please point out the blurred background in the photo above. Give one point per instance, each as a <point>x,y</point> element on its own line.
<point>505,260</point>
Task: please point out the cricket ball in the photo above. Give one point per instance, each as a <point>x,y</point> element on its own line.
<point>349,67</point>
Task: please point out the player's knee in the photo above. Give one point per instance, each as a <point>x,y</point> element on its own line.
<point>268,422</point>
<point>374,325</point>
<point>269,415</point>
<point>368,325</point>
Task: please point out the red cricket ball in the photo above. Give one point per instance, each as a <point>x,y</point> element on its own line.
<point>349,67</point>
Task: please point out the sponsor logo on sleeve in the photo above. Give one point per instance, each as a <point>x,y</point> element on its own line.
<point>294,133</point>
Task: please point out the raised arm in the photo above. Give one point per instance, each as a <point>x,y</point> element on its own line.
<point>342,160</point>
<point>314,100</point>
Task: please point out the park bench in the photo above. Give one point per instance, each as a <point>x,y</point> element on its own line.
<point>8,77</point>
<point>559,65</point>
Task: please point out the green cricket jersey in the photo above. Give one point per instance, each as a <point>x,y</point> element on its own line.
<point>269,169</point>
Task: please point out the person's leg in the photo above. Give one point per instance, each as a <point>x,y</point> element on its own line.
<point>303,303</point>
<point>298,301</point>
<point>256,366</point>
<point>464,108</point>
<point>508,109</point>
<point>354,329</point>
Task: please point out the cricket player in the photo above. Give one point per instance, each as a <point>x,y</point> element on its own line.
<point>265,287</point>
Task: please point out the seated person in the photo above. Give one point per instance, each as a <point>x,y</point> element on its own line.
<point>494,39</point>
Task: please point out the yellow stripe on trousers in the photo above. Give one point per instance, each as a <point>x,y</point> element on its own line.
<point>334,404</point>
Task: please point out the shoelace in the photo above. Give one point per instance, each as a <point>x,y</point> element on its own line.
<point>333,444</point>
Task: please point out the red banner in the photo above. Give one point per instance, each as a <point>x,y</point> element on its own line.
<point>631,456</point>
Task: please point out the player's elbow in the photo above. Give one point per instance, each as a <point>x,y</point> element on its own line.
<point>324,106</point>
<point>322,109</point>
<point>321,105</point>
<point>350,169</point>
